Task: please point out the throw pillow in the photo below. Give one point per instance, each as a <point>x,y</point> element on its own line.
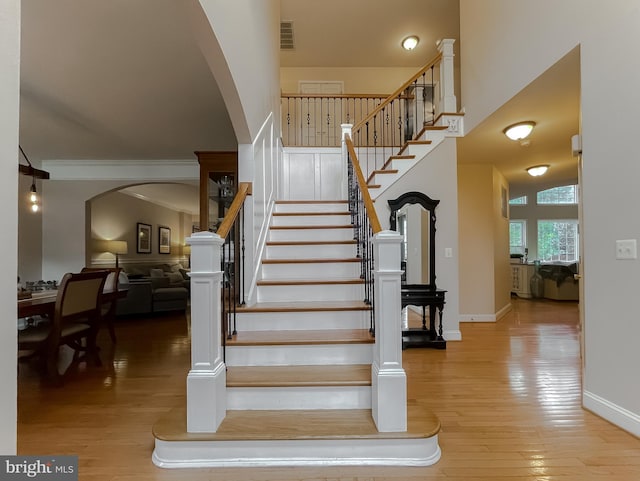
<point>185,274</point>
<point>175,278</point>
<point>156,273</point>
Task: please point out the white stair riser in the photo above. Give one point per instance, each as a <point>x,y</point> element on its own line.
<point>328,207</point>
<point>311,292</point>
<point>316,397</point>
<point>402,165</point>
<point>308,320</point>
<point>306,452</point>
<point>384,180</point>
<point>317,270</point>
<point>419,150</point>
<point>279,220</point>
<point>299,355</point>
<point>311,251</point>
<point>339,234</point>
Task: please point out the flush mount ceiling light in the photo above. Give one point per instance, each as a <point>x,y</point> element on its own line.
<point>410,42</point>
<point>537,170</point>
<point>519,131</point>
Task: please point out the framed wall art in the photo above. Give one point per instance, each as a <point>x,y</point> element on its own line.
<point>143,238</point>
<point>164,242</point>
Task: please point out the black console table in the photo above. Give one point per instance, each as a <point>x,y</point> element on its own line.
<point>424,295</point>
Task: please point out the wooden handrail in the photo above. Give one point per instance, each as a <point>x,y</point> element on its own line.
<point>397,93</point>
<point>366,197</point>
<point>244,189</point>
<point>334,96</point>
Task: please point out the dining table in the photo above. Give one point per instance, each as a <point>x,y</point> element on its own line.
<point>43,303</point>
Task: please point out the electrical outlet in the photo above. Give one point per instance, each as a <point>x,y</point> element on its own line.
<point>626,249</point>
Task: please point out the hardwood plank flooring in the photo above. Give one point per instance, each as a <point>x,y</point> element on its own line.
<point>299,337</point>
<point>508,398</point>
<point>297,376</point>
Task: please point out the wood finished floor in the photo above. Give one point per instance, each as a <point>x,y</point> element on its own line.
<point>508,398</point>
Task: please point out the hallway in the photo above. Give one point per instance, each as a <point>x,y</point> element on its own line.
<point>508,397</point>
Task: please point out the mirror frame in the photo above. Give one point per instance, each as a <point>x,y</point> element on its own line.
<point>429,205</point>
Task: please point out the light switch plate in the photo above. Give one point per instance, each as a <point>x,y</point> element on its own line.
<point>448,252</point>
<point>626,249</point>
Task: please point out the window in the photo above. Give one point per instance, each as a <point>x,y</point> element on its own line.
<point>558,240</point>
<point>517,236</point>
<point>519,200</point>
<point>567,194</point>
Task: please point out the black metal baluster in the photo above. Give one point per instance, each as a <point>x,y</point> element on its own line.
<point>242,247</point>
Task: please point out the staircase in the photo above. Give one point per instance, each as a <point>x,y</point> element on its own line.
<point>412,152</point>
<point>299,374</point>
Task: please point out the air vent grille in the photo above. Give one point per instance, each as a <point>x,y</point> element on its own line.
<point>286,35</point>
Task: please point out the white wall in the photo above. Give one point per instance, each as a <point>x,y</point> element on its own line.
<point>9,116</point>
<point>505,45</point>
<point>115,216</point>
<point>361,80</point>
<point>436,176</point>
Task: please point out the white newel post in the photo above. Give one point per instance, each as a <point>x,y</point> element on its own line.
<point>448,102</point>
<point>206,382</point>
<point>388,379</point>
<point>346,129</point>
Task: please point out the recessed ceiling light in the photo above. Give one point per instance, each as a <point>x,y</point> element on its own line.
<point>537,170</point>
<point>410,43</point>
<point>519,131</point>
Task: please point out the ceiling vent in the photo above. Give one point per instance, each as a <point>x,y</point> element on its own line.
<point>286,35</point>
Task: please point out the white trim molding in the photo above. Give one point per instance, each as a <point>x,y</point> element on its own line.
<point>613,413</point>
<point>148,170</point>
<point>487,317</point>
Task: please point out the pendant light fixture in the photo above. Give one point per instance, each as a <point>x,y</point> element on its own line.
<point>30,170</point>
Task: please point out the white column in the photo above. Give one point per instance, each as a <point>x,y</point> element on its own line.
<point>448,102</point>
<point>346,129</point>
<point>206,382</point>
<point>388,379</point>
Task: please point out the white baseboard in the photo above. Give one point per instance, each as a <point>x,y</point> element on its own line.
<point>613,413</point>
<point>477,318</point>
<point>486,317</point>
<point>452,335</point>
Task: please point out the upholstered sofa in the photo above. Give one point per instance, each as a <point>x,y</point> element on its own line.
<point>154,288</point>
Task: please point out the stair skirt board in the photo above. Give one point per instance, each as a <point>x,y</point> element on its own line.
<point>307,397</point>
<point>309,320</point>
<point>307,452</point>
<point>299,355</point>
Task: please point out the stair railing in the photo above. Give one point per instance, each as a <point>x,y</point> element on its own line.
<point>217,287</point>
<point>233,287</point>
<point>401,117</point>
<point>313,120</point>
<point>365,225</point>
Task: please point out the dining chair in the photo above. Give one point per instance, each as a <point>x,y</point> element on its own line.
<point>108,311</point>
<point>75,322</point>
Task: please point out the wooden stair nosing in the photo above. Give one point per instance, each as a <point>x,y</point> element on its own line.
<point>293,214</point>
<point>293,227</point>
<point>310,243</point>
<point>301,337</point>
<point>307,282</point>
<point>310,261</point>
<point>311,202</point>
<point>381,171</point>
<point>299,376</point>
<point>317,306</point>
<point>374,186</point>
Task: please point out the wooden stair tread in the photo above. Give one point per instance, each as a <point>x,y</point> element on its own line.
<point>289,214</point>
<point>301,337</point>
<point>296,425</point>
<point>312,202</point>
<point>310,243</point>
<point>309,261</point>
<point>299,376</point>
<point>307,282</point>
<point>291,227</point>
<point>306,306</point>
